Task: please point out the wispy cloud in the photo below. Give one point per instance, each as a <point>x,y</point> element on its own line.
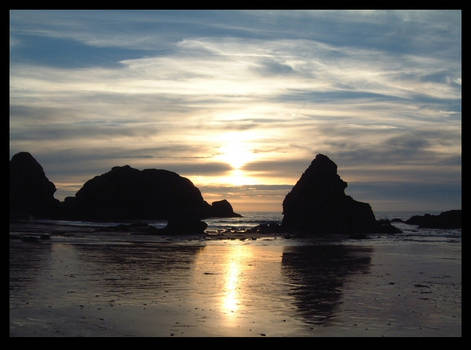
<point>372,89</point>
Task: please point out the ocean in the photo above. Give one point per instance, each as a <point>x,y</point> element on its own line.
<point>81,281</point>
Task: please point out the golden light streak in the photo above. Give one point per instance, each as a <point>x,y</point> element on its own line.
<point>234,284</point>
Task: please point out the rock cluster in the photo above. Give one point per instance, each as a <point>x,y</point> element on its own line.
<point>317,203</point>
<point>126,193</point>
<point>446,220</point>
<point>123,193</point>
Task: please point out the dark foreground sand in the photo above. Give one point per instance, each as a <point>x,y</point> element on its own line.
<point>271,286</point>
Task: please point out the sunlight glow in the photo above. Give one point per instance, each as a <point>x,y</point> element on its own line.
<point>236,151</point>
<point>239,177</point>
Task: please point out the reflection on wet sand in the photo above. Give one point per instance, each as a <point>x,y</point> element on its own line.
<point>239,282</point>
<point>236,264</point>
<point>137,270</point>
<point>316,275</point>
<point>232,288</point>
<point>27,263</point>
<point>72,273</point>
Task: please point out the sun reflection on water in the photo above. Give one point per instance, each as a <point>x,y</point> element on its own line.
<point>236,265</point>
<point>230,301</point>
<point>233,280</point>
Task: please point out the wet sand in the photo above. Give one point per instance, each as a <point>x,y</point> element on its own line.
<point>270,286</point>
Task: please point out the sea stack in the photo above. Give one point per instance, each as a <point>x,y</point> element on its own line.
<point>222,209</point>
<point>125,193</point>
<point>317,204</point>
<point>31,192</point>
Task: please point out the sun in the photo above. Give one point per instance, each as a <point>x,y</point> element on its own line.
<point>236,150</point>
<point>236,153</point>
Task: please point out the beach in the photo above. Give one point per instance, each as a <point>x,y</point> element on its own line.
<point>78,283</point>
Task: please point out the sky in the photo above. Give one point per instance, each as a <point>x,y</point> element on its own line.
<point>241,101</point>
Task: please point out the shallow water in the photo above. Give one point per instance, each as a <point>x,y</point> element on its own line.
<point>84,284</point>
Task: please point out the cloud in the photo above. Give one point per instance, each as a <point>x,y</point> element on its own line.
<point>429,196</point>
<point>272,67</point>
<point>72,131</point>
<point>69,169</point>
<point>378,91</point>
<point>279,168</point>
<point>257,197</point>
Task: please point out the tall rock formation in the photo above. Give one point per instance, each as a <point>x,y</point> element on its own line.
<point>317,204</point>
<point>31,192</point>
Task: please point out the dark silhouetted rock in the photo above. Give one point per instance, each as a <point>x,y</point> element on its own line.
<point>175,226</point>
<point>317,274</point>
<point>272,227</point>
<point>133,228</point>
<point>125,193</point>
<point>446,220</point>
<point>397,220</point>
<point>384,226</point>
<point>222,209</point>
<point>317,204</point>
<point>185,226</point>
<point>31,192</point>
